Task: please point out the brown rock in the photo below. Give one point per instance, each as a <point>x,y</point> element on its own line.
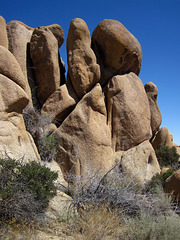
<point>14,139</point>
<point>84,138</point>
<point>156,117</point>
<point>12,97</point>
<point>116,49</point>
<point>45,57</point>
<point>19,37</point>
<point>139,162</point>
<point>60,103</point>
<point>172,185</point>
<point>163,137</point>
<point>128,112</point>
<point>83,70</point>
<point>10,68</point>
<point>58,33</point>
<point>3,35</point>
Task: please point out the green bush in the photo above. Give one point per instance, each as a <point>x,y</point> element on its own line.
<point>47,148</point>
<point>25,188</point>
<point>156,184</point>
<point>168,157</point>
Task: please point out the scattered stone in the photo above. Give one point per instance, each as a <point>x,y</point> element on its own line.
<point>83,70</point>
<point>128,112</point>
<point>156,117</point>
<point>117,50</point>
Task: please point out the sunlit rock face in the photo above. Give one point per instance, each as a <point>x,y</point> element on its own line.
<point>116,49</point>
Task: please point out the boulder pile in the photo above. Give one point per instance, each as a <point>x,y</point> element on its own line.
<point>101,112</point>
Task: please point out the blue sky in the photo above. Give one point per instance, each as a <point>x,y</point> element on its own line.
<point>155,23</point>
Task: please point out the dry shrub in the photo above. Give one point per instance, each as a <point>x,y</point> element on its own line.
<point>95,222</point>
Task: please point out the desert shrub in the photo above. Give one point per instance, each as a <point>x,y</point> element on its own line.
<point>168,157</point>
<point>47,148</point>
<point>156,184</point>
<point>97,223</point>
<point>25,188</point>
<point>152,227</point>
<point>37,125</point>
<point>115,189</point>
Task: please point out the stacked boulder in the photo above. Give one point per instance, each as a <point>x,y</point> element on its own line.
<point>103,113</point>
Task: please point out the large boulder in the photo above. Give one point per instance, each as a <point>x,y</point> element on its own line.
<point>19,36</point>
<point>12,97</point>
<point>117,50</point>
<point>60,103</point>
<point>10,68</point>
<point>44,51</point>
<point>128,111</point>
<point>162,138</point>
<point>3,35</point>
<point>15,141</point>
<point>156,117</point>
<point>84,140</point>
<point>83,70</point>
<point>140,162</point>
<point>172,185</point>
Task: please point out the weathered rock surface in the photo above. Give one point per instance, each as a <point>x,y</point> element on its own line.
<point>14,139</point>
<point>172,185</point>
<point>128,111</point>
<point>83,70</point>
<point>57,32</point>
<point>3,35</point>
<point>163,137</point>
<point>156,117</point>
<point>16,101</point>
<point>139,162</point>
<point>117,50</point>
<point>60,103</point>
<point>45,57</point>
<point>19,37</point>
<point>83,138</point>
<point>10,68</point>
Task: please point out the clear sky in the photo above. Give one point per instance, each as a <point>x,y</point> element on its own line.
<point>155,23</point>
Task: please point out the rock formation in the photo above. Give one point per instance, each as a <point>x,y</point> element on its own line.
<point>83,70</point>
<point>100,115</point>
<point>116,49</point>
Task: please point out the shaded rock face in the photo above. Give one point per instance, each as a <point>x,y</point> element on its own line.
<point>116,49</point>
<point>83,70</point>
<point>128,112</point>
<point>45,56</point>
<point>3,35</point>
<point>172,185</point>
<point>83,138</point>
<point>19,36</point>
<point>139,162</point>
<point>156,117</point>
<point>163,137</point>
<point>60,103</point>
